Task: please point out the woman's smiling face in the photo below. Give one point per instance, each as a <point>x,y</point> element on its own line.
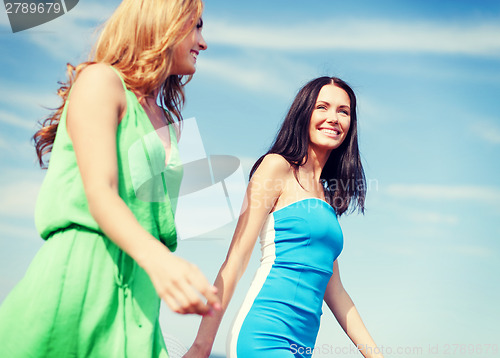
<point>186,52</point>
<point>330,119</point>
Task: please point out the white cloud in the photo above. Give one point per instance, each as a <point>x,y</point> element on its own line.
<point>22,109</point>
<point>96,11</point>
<point>24,98</point>
<point>279,76</point>
<point>487,130</point>
<point>245,75</point>
<point>19,197</point>
<point>442,192</point>
<point>420,250</point>
<point>21,150</point>
<point>471,250</point>
<point>373,113</point>
<point>467,38</point>
<point>27,232</point>
<point>70,37</point>
<point>432,217</point>
<point>364,35</point>
<point>17,121</point>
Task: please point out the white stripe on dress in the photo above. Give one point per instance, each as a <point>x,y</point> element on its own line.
<point>268,250</point>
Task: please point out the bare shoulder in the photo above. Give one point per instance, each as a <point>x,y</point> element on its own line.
<point>99,71</point>
<point>274,165</point>
<point>99,79</point>
<point>98,88</point>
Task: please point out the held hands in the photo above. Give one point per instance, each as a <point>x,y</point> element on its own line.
<point>179,283</point>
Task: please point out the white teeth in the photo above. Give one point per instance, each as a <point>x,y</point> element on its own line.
<point>195,55</point>
<point>329,131</point>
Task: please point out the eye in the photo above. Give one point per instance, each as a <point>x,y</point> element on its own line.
<point>321,106</point>
<point>345,111</point>
<point>199,25</point>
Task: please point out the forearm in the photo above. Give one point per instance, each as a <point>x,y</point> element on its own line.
<point>225,283</point>
<point>98,101</point>
<point>119,224</point>
<point>349,319</point>
<point>264,189</point>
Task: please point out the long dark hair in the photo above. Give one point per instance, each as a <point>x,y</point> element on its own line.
<point>343,176</point>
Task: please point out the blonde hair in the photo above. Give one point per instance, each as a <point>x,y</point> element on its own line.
<point>138,40</point>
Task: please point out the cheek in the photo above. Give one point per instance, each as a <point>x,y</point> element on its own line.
<point>346,125</point>
<point>177,52</point>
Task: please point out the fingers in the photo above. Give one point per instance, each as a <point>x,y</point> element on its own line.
<point>183,299</point>
<point>190,300</point>
<point>209,292</point>
<point>187,292</point>
<point>187,301</point>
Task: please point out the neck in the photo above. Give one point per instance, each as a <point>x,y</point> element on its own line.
<point>316,161</point>
<point>149,101</point>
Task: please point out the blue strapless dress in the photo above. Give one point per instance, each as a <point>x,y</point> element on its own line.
<point>280,315</point>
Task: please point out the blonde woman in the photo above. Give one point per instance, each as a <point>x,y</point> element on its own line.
<point>94,288</point>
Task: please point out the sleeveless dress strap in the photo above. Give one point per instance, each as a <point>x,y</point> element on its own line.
<point>121,78</point>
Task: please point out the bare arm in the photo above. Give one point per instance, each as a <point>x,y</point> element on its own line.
<point>348,317</point>
<point>97,103</point>
<point>263,190</point>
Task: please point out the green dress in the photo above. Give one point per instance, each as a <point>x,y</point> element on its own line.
<point>82,296</point>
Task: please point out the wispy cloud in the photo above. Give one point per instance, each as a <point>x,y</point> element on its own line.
<point>428,217</point>
<point>251,75</point>
<point>479,39</point>
<point>76,38</point>
<point>16,121</point>
<point>418,251</point>
<point>19,198</point>
<point>473,250</point>
<point>26,99</point>
<point>23,108</point>
<point>442,192</point>
<point>487,130</point>
<point>15,150</point>
<point>27,232</point>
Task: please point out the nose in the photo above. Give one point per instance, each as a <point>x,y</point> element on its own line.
<point>332,118</point>
<point>201,43</point>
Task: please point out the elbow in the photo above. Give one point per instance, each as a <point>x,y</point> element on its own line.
<point>335,293</point>
<point>99,197</point>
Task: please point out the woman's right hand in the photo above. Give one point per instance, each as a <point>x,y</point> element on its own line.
<point>97,103</point>
<point>178,282</point>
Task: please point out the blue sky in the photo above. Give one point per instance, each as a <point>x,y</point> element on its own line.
<point>422,264</point>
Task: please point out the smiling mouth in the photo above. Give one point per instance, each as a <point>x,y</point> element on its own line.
<point>194,54</point>
<point>330,132</point>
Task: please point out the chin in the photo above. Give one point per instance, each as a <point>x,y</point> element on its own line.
<point>190,72</point>
<point>185,71</point>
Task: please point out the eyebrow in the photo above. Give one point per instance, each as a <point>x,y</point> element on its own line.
<point>328,103</point>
